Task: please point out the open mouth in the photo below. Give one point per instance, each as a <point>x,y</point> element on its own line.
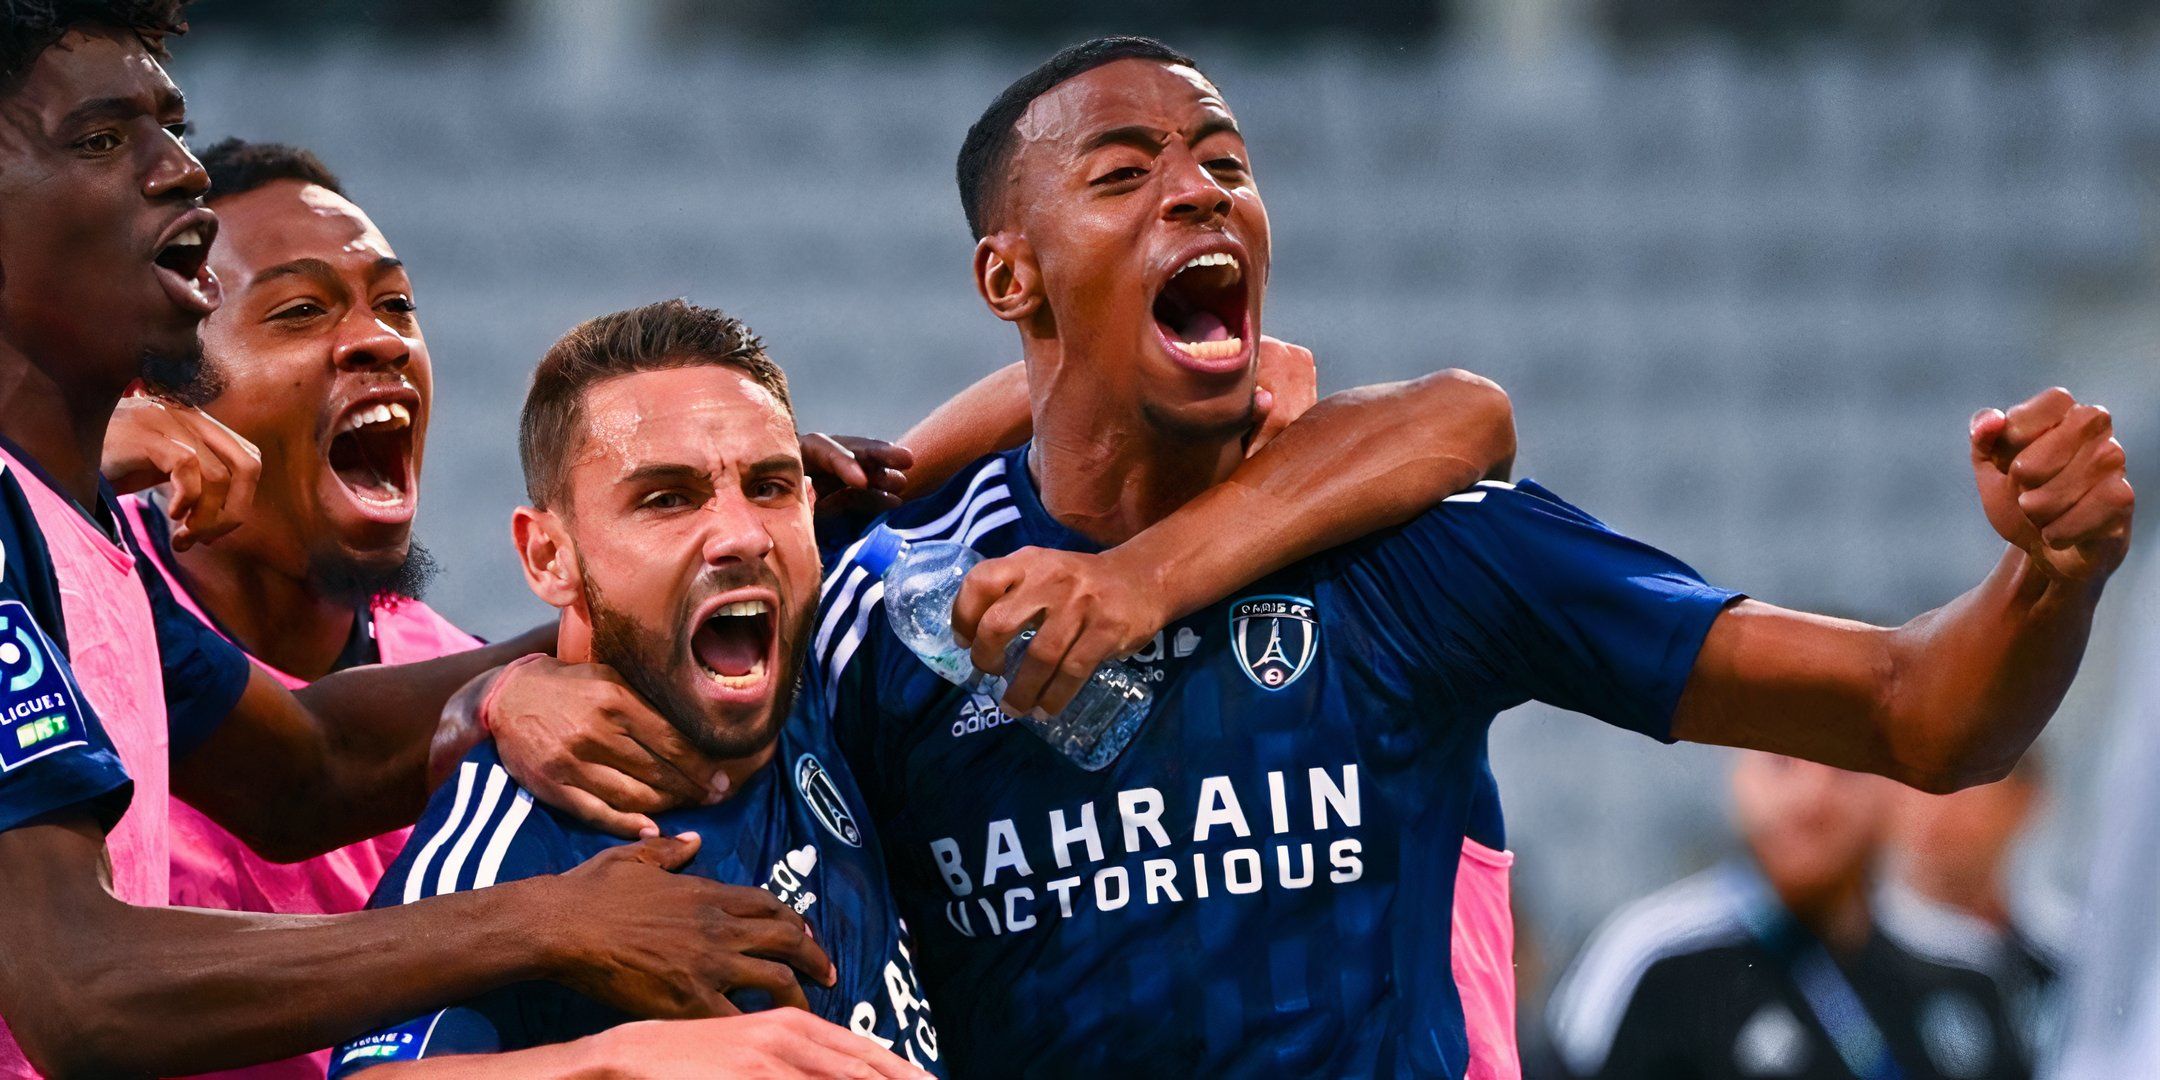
<point>371,453</point>
<point>734,644</point>
<point>182,262</point>
<point>1201,309</point>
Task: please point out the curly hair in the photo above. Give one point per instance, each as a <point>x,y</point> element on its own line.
<point>32,26</point>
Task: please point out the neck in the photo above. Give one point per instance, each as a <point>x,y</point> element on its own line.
<point>61,428</point>
<point>740,770</point>
<point>1837,916</point>
<point>1978,895</point>
<point>277,616</point>
<point>1105,471</point>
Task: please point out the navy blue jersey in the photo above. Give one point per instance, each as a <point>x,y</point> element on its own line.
<point>54,754</point>
<point>796,828</point>
<point>1262,884</point>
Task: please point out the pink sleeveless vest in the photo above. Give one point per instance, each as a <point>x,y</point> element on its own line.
<point>112,648</point>
<point>212,868</point>
<point>1483,955</point>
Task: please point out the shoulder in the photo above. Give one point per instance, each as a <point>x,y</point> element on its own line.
<point>975,507</point>
<point>1934,932</point>
<point>480,827</point>
<point>407,630</point>
<point>1699,914</point>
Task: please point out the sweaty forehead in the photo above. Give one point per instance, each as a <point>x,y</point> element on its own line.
<point>707,417</point>
<point>1150,93</point>
<point>285,220</point>
<point>87,64</point>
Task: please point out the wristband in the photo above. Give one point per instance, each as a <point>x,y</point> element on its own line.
<point>487,701</point>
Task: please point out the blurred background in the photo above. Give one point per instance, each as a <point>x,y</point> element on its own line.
<point>1747,267</point>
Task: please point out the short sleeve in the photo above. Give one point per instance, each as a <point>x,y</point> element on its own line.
<point>443,1033</point>
<point>54,754</point>
<point>1511,590</point>
<point>204,673</point>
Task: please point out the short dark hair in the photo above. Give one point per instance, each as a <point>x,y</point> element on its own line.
<point>656,337</point>
<point>32,26</point>
<point>989,143</point>
<point>237,166</point>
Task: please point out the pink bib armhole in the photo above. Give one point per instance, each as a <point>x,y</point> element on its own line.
<point>1483,953</point>
<point>213,868</point>
<point>113,651</point>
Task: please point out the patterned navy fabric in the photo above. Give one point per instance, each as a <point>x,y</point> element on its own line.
<point>1262,883</point>
<point>796,827</point>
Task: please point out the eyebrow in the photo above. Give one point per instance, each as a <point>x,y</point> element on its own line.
<point>777,464</point>
<point>1134,135</point>
<point>668,471</point>
<point>1215,125</point>
<point>297,268</point>
<point>1151,140</point>
<point>107,108</point>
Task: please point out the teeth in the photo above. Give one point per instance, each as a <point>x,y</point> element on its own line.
<point>1220,258</point>
<point>395,414</point>
<point>191,236</point>
<point>743,607</point>
<point>1212,350</point>
<point>745,681</point>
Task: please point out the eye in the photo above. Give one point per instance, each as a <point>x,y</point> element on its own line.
<point>1227,164</point>
<point>771,489</point>
<point>399,303</point>
<point>1119,176</point>
<point>665,500</point>
<point>305,309</point>
<point>180,131</point>
<point>99,142</point>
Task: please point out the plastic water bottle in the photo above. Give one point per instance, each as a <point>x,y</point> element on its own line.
<point>922,580</point>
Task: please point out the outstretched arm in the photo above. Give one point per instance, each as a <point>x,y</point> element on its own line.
<point>348,756</point>
<point>1359,461</point>
<point>93,986</point>
<point>995,414</point>
<point>776,1043</point>
<point>1953,697</point>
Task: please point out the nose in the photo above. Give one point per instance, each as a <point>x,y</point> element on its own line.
<point>365,343</point>
<point>736,531</point>
<point>174,173</point>
<point>1193,195</point>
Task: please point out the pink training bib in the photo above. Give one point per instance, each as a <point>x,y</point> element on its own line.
<point>1483,955</point>
<point>112,649</point>
<point>213,868</point>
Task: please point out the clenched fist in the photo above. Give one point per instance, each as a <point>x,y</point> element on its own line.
<point>2052,481</point>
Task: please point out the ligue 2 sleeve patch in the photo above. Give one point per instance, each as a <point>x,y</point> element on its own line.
<point>40,711</point>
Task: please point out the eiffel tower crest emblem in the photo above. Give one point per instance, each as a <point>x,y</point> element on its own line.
<point>1274,638</point>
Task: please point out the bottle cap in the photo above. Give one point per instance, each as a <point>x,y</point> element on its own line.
<point>879,550</point>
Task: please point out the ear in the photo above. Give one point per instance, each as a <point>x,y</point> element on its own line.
<point>548,556</point>
<point>1007,277</point>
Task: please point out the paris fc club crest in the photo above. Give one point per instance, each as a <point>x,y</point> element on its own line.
<point>1275,638</point>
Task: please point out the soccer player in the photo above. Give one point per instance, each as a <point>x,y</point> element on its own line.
<point>1774,965</point>
<point>670,524</point>
<point>633,427</point>
<point>113,693</point>
<point>321,365</point>
<point>1298,866</point>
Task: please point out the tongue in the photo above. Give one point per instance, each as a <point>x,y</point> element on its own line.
<point>1203,326</point>
<point>357,465</point>
<point>730,645</point>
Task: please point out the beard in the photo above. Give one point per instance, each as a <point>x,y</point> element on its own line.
<point>345,579</point>
<point>658,665</point>
<point>185,376</point>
